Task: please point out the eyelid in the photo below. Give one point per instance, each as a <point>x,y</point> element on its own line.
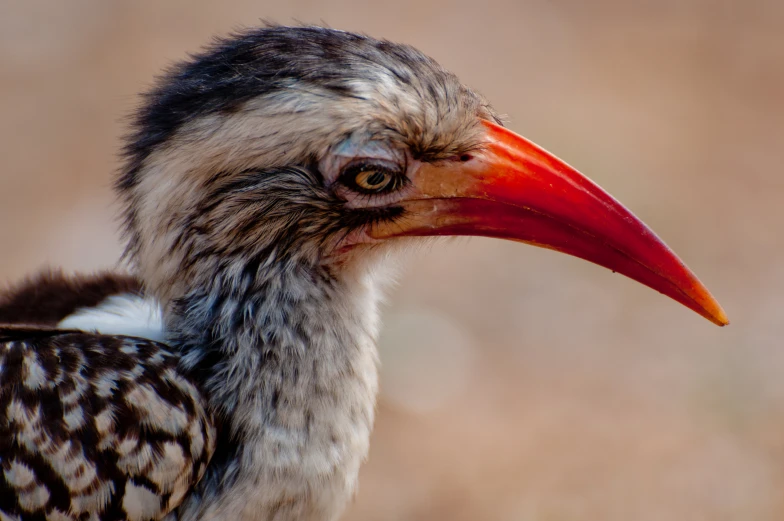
<point>373,162</point>
<point>380,150</point>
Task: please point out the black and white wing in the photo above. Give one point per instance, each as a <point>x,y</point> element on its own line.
<point>96,427</point>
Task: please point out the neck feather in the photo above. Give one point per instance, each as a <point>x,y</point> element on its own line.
<point>242,339</point>
<point>287,360</point>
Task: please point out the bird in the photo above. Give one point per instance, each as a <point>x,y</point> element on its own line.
<point>269,185</point>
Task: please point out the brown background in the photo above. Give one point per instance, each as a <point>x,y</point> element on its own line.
<point>519,384</point>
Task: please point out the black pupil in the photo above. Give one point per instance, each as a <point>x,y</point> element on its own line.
<point>376,178</point>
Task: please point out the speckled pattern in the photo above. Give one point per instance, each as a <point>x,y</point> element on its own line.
<point>96,427</point>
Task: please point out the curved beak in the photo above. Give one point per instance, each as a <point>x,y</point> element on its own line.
<point>512,189</point>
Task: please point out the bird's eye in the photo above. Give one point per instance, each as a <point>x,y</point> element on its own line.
<point>372,179</point>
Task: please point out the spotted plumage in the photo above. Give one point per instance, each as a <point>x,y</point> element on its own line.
<point>96,427</point>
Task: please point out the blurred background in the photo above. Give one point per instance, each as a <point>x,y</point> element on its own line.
<point>518,384</point>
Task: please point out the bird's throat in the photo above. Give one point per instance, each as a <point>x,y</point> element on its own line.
<point>288,362</point>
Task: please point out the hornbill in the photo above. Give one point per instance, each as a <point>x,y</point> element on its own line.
<point>266,183</point>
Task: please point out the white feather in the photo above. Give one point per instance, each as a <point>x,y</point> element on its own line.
<point>127,314</point>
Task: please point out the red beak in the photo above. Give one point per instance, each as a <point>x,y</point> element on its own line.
<point>512,189</point>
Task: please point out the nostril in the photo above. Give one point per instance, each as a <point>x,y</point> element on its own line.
<point>466,157</point>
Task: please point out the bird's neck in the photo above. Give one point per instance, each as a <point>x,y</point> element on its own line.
<point>287,360</point>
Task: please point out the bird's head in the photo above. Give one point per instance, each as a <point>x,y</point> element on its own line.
<point>283,148</point>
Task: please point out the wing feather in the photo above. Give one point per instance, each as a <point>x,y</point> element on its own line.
<point>96,426</point>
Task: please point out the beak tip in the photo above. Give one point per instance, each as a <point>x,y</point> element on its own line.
<point>721,318</point>
<point>714,312</point>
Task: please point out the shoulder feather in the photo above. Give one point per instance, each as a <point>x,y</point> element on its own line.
<point>50,296</point>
